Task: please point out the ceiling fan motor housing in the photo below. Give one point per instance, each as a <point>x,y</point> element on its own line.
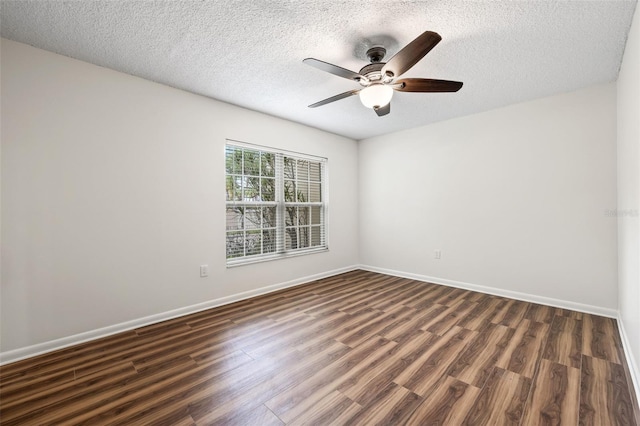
<point>373,71</point>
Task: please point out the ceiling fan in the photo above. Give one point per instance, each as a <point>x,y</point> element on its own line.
<point>379,79</point>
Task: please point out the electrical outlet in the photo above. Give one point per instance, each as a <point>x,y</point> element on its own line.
<point>204,271</point>
<point>437,254</point>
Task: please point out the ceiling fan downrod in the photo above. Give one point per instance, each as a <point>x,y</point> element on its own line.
<point>376,54</point>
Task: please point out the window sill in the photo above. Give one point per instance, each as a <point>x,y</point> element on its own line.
<point>250,261</point>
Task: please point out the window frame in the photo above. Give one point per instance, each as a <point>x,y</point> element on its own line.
<point>281,205</point>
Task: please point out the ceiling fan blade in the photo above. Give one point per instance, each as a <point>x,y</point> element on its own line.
<point>335,98</point>
<point>409,55</point>
<point>383,110</point>
<point>426,85</point>
<point>333,69</point>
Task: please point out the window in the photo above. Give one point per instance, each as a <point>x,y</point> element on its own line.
<point>276,203</point>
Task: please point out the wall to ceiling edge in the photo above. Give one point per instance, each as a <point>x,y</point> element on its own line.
<point>112,199</point>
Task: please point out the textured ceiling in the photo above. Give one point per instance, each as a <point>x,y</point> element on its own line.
<point>250,53</point>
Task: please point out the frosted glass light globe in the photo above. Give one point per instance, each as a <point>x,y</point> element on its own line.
<point>376,95</point>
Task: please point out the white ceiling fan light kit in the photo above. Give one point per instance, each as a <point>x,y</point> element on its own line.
<point>376,95</point>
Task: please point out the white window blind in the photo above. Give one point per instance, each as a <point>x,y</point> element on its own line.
<point>276,203</point>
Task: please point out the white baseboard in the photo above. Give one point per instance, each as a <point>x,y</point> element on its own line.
<point>53,345</point>
<point>526,297</point>
<point>631,362</point>
<point>41,348</point>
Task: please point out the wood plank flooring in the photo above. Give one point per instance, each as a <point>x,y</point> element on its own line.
<point>357,349</point>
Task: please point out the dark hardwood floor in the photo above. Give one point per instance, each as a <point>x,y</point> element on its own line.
<point>357,348</point>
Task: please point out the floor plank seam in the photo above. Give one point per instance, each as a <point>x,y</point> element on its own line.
<point>535,376</point>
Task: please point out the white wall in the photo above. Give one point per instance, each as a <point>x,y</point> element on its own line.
<point>112,196</point>
<point>629,195</point>
<point>111,200</point>
<point>515,199</point>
